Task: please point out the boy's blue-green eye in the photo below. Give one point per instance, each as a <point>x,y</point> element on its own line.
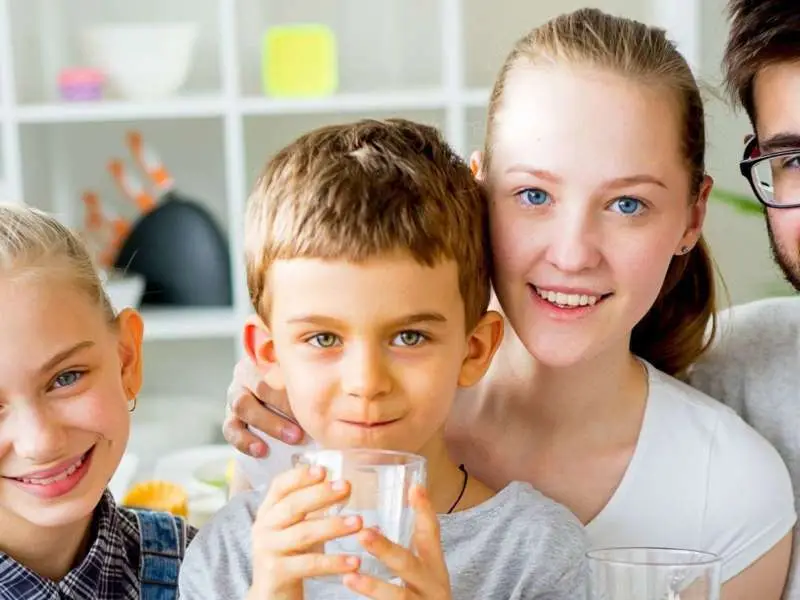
<point>409,338</point>
<point>324,340</point>
<point>627,205</point>
<point>534,197</point>
<point>67,378</point>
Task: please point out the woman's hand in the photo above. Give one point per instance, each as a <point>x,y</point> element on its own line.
<point>248,394</point>
<point>287,537</point>
<point>423,573</point>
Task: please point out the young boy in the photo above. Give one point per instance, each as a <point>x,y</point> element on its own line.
<point>368,267</point>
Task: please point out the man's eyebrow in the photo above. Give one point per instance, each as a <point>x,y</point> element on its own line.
<point>780,141</point>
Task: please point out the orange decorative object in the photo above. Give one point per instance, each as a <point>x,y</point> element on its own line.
<point>158,495</point>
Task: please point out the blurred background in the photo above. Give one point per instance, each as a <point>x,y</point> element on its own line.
<point>145,123</point>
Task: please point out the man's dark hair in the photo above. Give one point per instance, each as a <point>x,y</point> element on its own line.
<point>762,33</point>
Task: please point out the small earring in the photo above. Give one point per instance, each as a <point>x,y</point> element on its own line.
<point>132,404</point>
<point>684,249</point>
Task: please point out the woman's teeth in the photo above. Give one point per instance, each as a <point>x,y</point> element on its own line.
<point>561,299</point>
<point>56,478</point>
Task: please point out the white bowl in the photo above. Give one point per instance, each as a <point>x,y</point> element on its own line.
<point>124,291</point>
<point>143,61</point>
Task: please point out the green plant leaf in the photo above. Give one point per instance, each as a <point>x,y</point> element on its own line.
<point>740,202</point>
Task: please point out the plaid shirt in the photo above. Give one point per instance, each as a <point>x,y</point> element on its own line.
<point>109,571</point>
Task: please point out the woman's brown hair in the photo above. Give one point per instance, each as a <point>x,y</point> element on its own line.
<point>673,334</point>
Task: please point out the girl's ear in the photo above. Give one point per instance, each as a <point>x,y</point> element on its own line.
<point>129,347</point>
<point>476,165</point>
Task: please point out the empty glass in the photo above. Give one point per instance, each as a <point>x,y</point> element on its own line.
<point>380,481</point>
<point>653,574</point>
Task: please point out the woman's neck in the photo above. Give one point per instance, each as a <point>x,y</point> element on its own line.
<point>593,396</point>
<point>51,552</point>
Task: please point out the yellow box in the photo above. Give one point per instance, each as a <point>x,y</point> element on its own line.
<point>299,61</point>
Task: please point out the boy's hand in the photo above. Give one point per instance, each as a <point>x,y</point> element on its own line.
<point>424,573</point>
<point>287,537</point>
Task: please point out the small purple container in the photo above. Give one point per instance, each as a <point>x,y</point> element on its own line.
<point>80,85</point>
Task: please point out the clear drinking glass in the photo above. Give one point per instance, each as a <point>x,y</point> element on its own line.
<point>379,484</point>
<point>653,574</point>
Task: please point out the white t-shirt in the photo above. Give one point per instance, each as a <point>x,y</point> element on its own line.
<point>754,367</point>
<point>700,478</point>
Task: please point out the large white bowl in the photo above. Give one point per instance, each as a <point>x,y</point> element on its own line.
<point>142,61</point>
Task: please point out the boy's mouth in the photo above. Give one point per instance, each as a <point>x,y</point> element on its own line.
<point>370,424</point>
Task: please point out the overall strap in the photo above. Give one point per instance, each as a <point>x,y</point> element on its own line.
<point>163,540</point>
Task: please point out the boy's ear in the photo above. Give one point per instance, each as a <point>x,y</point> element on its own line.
<point>260,347</point>
<point>482,343</point>
<point>129,348</point>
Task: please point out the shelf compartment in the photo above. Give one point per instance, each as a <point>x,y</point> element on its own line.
<point>46,38</point>
<point>400,48</point>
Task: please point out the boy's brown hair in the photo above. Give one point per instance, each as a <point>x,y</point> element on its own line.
<point>763,32</point>
<point>360,190</point>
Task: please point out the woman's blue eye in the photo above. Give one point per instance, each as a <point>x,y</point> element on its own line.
<point>323,340</point>
<point>628,206</point>
<point>534,197</point>
<point>67,378</point>
<point>409,338</point>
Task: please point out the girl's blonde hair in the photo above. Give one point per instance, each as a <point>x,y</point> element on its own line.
<point>31,239</point>
<point>673,334</point>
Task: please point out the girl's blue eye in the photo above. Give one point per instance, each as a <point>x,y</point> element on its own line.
<point>627,206</point>
<point>324,340</point>
<point>67,378</point>
<point>409,338</point>
<point>534,197</point>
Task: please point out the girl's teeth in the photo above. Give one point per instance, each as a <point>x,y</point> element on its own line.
<point>56,478</point>
<point>561,299</point>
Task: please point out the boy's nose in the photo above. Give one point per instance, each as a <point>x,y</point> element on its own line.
<point>365,374</point>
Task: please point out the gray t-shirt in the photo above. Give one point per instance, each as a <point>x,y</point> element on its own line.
<point>754,367</point>
<point>518,545</point>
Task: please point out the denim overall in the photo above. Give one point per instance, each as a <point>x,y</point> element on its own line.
<point>163,541</point>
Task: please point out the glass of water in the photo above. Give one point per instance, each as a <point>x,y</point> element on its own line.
<point>380,481</point>
<point>653,574</point>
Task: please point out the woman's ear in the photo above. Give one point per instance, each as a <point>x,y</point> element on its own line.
<point>260,347</point>
<point>697,216</point>
<point>130,330</point>
<point>476,165</point>
<point>482,344</point>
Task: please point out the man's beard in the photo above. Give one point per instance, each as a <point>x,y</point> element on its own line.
<point>788,262</point>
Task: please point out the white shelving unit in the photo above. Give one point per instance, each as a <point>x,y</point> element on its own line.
<point>397,57</point>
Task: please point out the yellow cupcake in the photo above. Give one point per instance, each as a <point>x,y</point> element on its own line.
<point>158,495</point>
